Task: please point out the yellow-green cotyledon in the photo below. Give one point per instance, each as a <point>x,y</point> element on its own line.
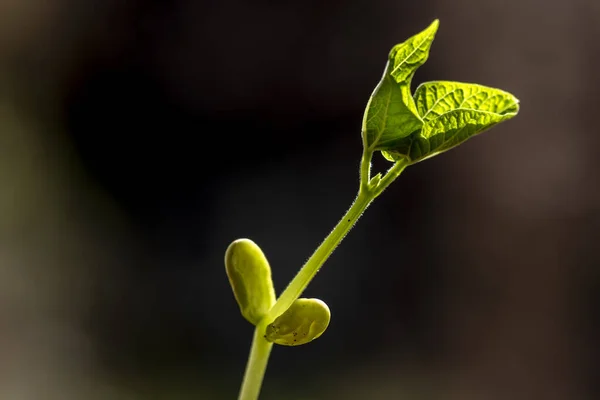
<point>303,322</point>
<point>249,274</point>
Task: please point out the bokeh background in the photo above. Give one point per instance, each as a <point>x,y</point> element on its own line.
<point>139,138</point>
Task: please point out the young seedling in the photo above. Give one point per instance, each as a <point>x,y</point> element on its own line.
<point>406,128</point>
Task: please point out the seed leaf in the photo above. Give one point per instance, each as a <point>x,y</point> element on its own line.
<point>303,322</point>
<point>249,274</point>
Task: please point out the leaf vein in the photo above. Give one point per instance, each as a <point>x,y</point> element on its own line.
<point>438,100</point>
<point>425,39</point>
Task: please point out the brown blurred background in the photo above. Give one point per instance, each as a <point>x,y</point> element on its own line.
<point>137,139</point>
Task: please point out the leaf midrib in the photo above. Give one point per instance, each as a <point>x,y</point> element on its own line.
<point>411,53</point>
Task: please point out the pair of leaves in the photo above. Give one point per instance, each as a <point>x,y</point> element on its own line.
<point>249,274</point>
<point>439,116</point>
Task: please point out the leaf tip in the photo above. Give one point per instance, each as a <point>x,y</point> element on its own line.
<point>432,29</point>
<point>514,108</point>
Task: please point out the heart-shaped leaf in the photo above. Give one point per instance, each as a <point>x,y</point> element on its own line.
<point>391,113</point>
<point>452,113</point>
<point>436,98</point>
<point>388,118</point>
<point>408,56</point>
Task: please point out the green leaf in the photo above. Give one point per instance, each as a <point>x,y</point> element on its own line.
<point>388,118</point>
<point>436,98</point>
<point>410,55</point>
<point>391,113</point>
<point>453,112</point>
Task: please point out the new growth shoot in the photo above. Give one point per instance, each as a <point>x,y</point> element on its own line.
<point>406,128</point>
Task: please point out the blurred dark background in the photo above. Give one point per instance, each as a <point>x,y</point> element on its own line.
<point>139,138</point>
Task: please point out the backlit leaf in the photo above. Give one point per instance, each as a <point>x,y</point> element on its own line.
<point>391,113</point>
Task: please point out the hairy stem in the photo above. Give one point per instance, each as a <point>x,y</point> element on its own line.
<point>365,169</point>
<point>365,196</point>
<point>391,175</point>
<point>314,263</point>
<point>261,348</point>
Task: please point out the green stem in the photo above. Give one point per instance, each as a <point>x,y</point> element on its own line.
<point>257,365</point>
<point>391,175</point>
<point>261,348</point>
<point>310,269</point>
<point>365,169</point>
